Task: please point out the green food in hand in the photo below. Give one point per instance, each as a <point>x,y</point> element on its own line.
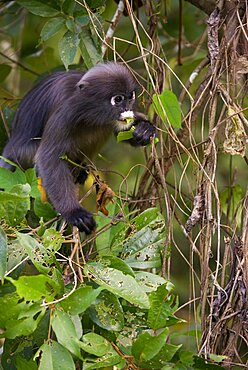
<point>125,135</point>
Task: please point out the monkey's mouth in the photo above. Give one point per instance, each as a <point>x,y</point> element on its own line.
<point>126,117</point>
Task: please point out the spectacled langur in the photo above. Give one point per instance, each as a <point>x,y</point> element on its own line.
<point>74,113</point>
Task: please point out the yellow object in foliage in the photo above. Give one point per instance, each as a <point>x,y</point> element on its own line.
<point>42,190</point>
<point>89,181</point>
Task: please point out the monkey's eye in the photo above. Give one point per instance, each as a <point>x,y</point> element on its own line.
<point>117,99</point>
<point>131,96</point>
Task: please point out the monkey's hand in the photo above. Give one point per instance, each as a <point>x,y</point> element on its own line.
<point>82,219</point>
<point>81,177</point>
<point>144,130</point>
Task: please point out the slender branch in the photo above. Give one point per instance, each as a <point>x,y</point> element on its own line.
<point>112,27</point>
<point>6,6</point>
<point>19,64</point>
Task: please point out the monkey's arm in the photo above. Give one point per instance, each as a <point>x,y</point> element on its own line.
<point>144,130</point>
<point>58,179</point>
<point>81,176</point>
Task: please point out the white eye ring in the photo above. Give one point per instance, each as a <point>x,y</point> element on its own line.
<point>117,99</point>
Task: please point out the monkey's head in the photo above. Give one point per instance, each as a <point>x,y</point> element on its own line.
<point>108,93</point>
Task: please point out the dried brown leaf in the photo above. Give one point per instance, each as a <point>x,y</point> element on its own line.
<point>235,142</point>
<point>104,195</point>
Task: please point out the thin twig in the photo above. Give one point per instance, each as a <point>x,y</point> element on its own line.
<point>112,27</point>
<point>19,64</point>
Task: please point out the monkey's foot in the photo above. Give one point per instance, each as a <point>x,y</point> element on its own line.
<point>82,219</point>
<point>144,130</point>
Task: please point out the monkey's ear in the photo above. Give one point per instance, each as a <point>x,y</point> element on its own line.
<point>82,84</point>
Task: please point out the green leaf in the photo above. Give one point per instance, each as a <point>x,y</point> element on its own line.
<point>23,364</point>
<point>5,70</point>
<point>51,27</point>
<point>147,217</point>
<point>9,354</point>
<point>40,335</point>
<point>105,363</point>
<point>146,346</point>
<point>65,332</point>
<point>217,358</point>
<point>95,344</point>
<point>168,101</point>
<point>82,20</point>
<point>162,308</point>
<point>15,204</point>
<point>41,258</point>
<point>22,319</point>
<point>99,346</point>
<point>68,47</point>
<point>9,179</point>
<point>3,253</point>
<point>70,24</point>
<point>150,282</point>
<point>68,6</point>
<point>107,312</point>
<point>44,210</point>
<point>151,352</point>
<point>55,357</point>
<point>16,253</point>
<point>77,321</point>
<point>38,8</point>
<point>187,358</point>
<point>17,193</point>
<point>118,264</point>
<point>165,355</point>
<point>143,247</point>
<point>24,327</point>
<point>12,301</point>
<point>201,363</point>
<point>52,240</point>
<point>31,309</point>
<point>125,135</point>
<point>116,282</point>
<point>35,288</point>
<point>88,49</point>
<point>104,241</point>
<point>80,300</point>
<point>58,278</point>
<point>31,179</point>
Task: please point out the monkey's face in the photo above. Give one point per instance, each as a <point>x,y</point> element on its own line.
<point>108,96</point>
<point>123,104</point>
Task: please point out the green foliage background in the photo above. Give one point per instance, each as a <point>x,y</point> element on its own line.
<point>108,302</point>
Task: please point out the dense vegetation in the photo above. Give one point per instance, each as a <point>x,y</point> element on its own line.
<point>162,284</point>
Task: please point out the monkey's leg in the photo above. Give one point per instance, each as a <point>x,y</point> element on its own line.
<point>59,184</point>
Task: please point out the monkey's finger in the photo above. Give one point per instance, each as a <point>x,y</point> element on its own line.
<point>82,226</point>
<point>82,219</point>
<point>86,225</point>
<point>143,132</point>
<point>143,138</point>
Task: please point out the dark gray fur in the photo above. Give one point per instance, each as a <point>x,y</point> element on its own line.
<point>70,113</point>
